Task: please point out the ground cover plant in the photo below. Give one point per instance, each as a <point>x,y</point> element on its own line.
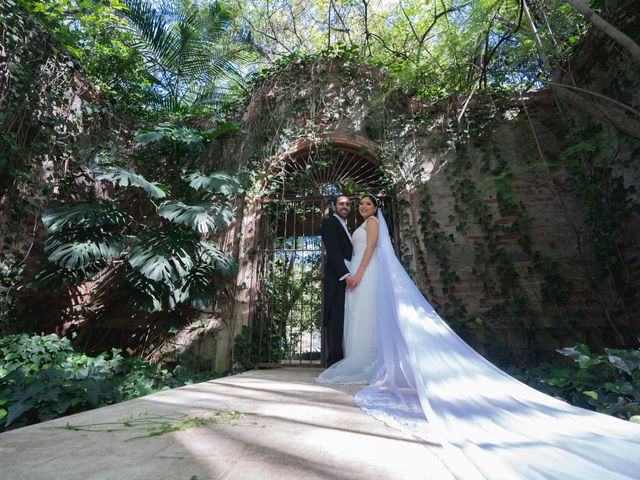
<point>607,383</point>
<point>43,377</point>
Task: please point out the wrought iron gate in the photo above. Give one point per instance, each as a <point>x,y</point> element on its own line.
<point>286,310</point>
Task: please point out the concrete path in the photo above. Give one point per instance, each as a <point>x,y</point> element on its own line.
<point>267,424</point>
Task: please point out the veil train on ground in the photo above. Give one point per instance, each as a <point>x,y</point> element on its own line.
<point>430,382</point>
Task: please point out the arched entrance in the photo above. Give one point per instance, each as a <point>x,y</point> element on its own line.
<point>285,311</point>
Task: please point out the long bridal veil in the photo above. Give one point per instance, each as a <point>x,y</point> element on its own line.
<point>429,381</point>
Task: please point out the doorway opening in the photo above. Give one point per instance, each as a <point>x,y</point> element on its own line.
<point>286,308</point>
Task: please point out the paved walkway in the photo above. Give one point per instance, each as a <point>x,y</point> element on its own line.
<point>267,424</point>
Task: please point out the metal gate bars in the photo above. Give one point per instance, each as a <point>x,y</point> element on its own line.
<point>287,312</point>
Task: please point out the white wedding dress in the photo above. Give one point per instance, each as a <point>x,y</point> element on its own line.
<point>491,426</point>
<point>360,327</point>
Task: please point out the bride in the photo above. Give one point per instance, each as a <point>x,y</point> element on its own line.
<point>425,379</point>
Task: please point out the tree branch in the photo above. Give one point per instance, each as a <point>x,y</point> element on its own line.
<point>605,27</point>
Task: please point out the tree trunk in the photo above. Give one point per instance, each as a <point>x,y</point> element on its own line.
<point>605,27</point>
<point>599,111</point>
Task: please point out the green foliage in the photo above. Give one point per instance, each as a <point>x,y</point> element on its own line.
<point>609,203</point>
<point>163,254</point>
<point>125,178</point>
<point>86,216</point>
<point>82,234</point>
<point>608,383</point>
<point>12,269</point>
<point>39,77</point>
<point>218,182</point>
<point>43,377</point>
<point>190,54</point>
<point>94,35</point>
<point>427,50</point>
<point>188,139</point>
<point>243,348</point>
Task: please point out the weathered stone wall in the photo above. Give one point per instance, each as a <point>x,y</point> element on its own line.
<point>491,228</point>
<point>49,112</point>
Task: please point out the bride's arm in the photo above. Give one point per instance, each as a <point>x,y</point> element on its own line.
<point>372,237</point>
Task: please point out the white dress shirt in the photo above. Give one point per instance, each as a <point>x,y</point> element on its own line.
<point>344,225</point>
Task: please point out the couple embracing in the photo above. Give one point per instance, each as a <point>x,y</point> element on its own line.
<point>426,380</point>
<point>349,292</point>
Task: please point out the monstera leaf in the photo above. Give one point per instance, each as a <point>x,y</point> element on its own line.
<point>217,182</point>
<point>145,294</point>
<point>74,248</point>
<point>189,138</point>
<point>211,255</point>
<point>203,217</point>
<point>163,255</point>
<point>220,129</point>
<point>197,288</point>
<point>195,216</point>
<point>125,178</point>
<point>85,215</point>
<point>169,132</point>
<point>55,278</point>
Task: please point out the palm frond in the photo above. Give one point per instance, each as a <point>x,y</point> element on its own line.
<point>187,48</point>
<point>151,26</point>
<point>125,178</point>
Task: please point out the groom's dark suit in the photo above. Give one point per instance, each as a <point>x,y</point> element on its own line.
<point>339,248</point>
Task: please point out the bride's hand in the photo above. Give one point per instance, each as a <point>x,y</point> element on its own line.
<point>355,281</point>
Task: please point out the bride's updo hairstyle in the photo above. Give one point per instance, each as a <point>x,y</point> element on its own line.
<point>374,200</point>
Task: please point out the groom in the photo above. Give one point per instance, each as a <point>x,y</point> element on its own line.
<point>337,243</point>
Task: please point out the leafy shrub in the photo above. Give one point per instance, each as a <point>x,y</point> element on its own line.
<point>159,250</point>
<point>608,383</point>
<point>42,377</point>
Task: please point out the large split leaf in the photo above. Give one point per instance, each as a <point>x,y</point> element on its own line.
<point>217,182</point>
<point>203,217</point>
<point>194,216</point>
<point>197,288</point>
<point>85,215</point>
<point>76,248</point>
<point>145,294</point>
<point>163,255</point>
<point>211,255</point>
<point>125,178</point>
<point>170,132</point>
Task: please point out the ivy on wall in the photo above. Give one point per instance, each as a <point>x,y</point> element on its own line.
<point>315,95</point>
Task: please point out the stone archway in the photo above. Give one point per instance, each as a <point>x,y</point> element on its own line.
<point>282,321</point>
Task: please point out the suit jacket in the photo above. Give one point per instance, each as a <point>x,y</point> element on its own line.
<point>339,248</point>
